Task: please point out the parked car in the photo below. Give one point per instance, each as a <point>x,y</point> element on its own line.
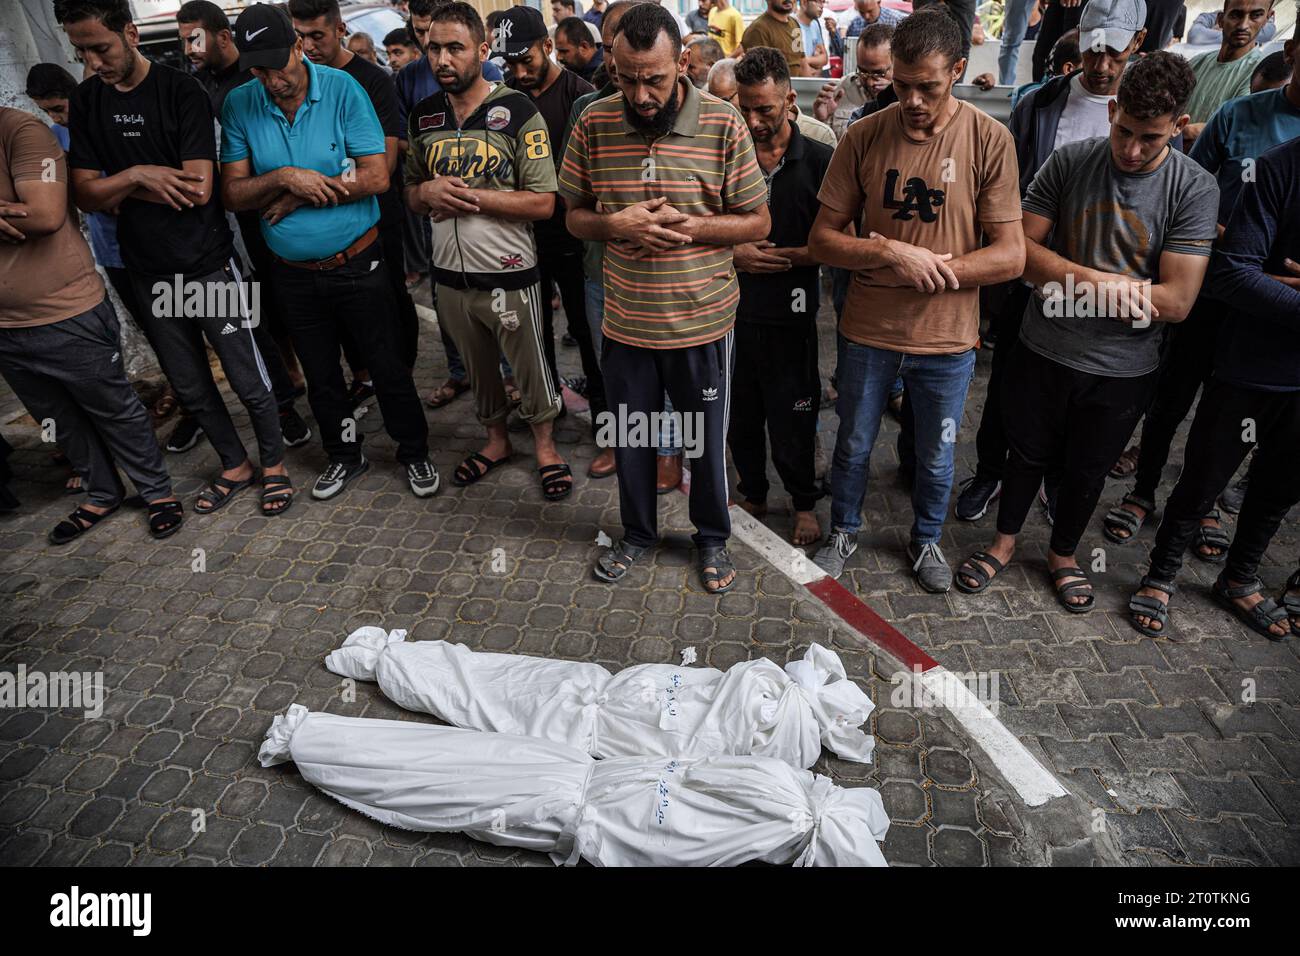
<point>160,41</point>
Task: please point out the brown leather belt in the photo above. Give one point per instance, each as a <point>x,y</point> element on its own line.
<point>339,258</point>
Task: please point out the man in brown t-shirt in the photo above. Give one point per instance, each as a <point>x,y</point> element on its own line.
<point>932,185</point>
<point>778,29</point>
<point>59,344</point>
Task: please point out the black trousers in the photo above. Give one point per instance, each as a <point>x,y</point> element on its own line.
<point>1057,414</point>
<point>991,439</point>
<point>561,262</point>
<point>1057,19</point>
<point>408,323</point>
<point>356,297</point>
<point>777,385</point>
<point>1218,443</point>
<point>698,380</point>
<point>270,330</point>
<point>1187,368</point>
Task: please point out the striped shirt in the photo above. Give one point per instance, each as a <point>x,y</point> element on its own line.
<point>705,165</point>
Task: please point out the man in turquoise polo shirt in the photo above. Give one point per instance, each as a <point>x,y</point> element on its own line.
<point>303,145</point>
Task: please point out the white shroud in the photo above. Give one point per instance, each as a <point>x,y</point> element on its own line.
<point>541,795</point>
<point>755,707</point>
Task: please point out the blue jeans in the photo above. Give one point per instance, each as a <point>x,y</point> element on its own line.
<point>1013,34</point>
<point>936,388</point>
<point>670,443</point>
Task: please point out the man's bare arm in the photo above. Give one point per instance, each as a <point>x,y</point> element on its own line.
<point>516,206</point>
<point>728,229</point>
<point>41,210</point>
<point>829,243</point>
<point>1000,260</point>
<point>178,188</point>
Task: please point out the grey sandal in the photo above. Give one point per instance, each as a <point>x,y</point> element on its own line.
<point>1148,606</point>
<point>218,494</point>
<point>1290,599</point>
<point>1080,588</point>
<point>1211,538</point>
<point>970,569</point>
<point>1258,618</point>
<point>1121,519</point>
<point>616,562</point>
<point>720,562</point>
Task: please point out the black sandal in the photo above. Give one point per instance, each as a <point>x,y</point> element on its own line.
<point>1077,588</point>
<point>1291,601</point>
<point>557,481</point>
<point>1121,519</point>
<point>165,518</point>
<point>1150,607</point>
<point>1258,618</point>
<point>218,494</point>
<point>1211,538</point>
<point>720,562</point>
<point>276,489</point>
<point>973,570</point>
<point>71,527</point>
<point>467,472</point>
<point>616,562</point>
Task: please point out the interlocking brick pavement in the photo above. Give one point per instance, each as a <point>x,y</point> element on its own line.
<point>1164,760</point>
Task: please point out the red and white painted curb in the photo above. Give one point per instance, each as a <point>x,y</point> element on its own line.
<point>1029,778</point>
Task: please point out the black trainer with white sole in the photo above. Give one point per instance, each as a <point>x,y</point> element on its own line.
<point>336,477</point>
<point>294,430</point>
<point>423,478</point>
<point>977,496</point>
<point>184,436</point>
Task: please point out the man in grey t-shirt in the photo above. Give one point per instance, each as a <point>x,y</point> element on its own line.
<point>1118,232</point>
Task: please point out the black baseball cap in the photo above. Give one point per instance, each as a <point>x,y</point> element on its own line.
<point>264,37</point>
<point>517,31</point>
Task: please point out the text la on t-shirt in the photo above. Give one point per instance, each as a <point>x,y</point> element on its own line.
<point>164,121</point>
<point>933,194</point>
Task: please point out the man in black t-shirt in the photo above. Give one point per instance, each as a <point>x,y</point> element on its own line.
<point>776,382</point>
<point>143,143</point>
<point>321,27</point>
<point>521,38</point>
<point>210,48</point>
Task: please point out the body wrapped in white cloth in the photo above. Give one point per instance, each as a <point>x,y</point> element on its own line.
<point>754,707</point>
<point>545,796</point>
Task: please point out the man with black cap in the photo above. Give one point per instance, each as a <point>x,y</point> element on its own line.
<point>304,145</point>
<point>521,38</point>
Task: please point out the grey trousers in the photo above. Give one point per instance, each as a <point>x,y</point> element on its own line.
<point>70,377</point>
<point>179,312</point>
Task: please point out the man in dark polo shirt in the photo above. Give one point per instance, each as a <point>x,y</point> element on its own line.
<point>776,379</point>
<point>699,193</point>
<point>321,28</point>
<point>304,145</point>
<point>521,38</point>
<point>210,48</point>
<point>778,28</point>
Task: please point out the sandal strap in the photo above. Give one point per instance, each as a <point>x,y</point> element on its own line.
<point>1167,586</point>
<point>556,472</point>
<point>90,517</point>
<point>1060,573</point>
<point>719,560</point>
<point>976,571</point>
<point>1270,611</point>
<point>620,557</point>
<point>165,507</point>
<point>1148,606</point>
<point>276,481</point>
<point>1146,504</point>
<point>1124,518</point>
<point>1239,590</point>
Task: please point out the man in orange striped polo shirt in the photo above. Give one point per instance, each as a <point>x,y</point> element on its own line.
<point>667,178</point>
